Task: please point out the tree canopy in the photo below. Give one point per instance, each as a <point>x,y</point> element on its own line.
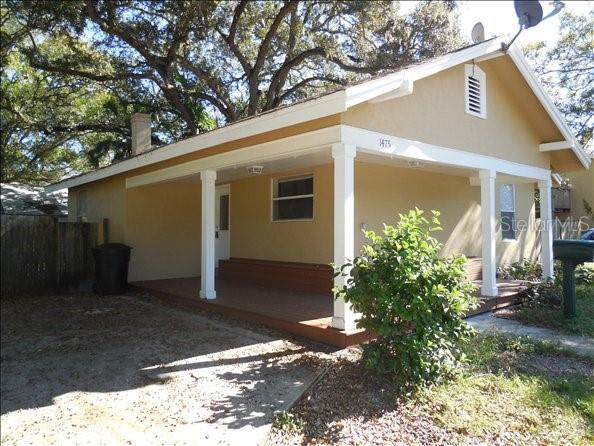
<point>566,69</point>
<point>75,71</point>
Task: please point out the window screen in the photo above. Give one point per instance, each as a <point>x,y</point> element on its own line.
<point>508,211</point>
<point>292,198</point>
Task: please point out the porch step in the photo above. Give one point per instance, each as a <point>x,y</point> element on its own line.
<point>474,268</point>
<point>307,277</point>
<point>508,293</point>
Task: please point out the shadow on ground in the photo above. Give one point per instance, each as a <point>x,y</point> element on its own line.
<point>151,364</point>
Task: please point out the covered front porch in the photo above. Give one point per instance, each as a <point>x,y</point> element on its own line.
<point>336,155</point>
<point>302,313</point>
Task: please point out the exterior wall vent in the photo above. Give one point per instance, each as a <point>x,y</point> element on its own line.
<point>475,90</point>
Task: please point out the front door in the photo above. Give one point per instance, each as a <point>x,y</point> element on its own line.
<point>222,226</point>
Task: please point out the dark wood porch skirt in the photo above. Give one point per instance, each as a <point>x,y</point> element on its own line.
<point>307,277</point>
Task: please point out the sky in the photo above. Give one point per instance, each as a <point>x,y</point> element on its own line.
<point>499,18</point>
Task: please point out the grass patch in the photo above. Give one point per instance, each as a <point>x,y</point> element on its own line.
<point>551,316</point>
<point>502,396</point>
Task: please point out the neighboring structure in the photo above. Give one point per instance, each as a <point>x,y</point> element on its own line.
<point>573,194</point>
<point>582,189</point>
<point>21,199</point>
<point>471,134</point>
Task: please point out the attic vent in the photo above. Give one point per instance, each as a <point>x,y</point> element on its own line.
<point>475,91</point>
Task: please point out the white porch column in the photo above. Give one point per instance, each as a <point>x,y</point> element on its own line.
<point>546,229</point>
<point>344,225</point>
<point>488,229</point>
<point>207,267</point>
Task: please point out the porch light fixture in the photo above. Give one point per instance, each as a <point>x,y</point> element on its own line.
<point>414,164</point>
<point>255,170</point>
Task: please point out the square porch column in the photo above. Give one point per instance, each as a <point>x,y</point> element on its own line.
<point>207,267</point>
<point>546,228</point>
<point>344,225</point>
<point>488,229</point>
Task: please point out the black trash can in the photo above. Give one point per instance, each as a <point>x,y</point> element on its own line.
<point>111,268</point>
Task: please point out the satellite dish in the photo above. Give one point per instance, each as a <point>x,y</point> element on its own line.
<point>529,13</point>
<point>478,33</point>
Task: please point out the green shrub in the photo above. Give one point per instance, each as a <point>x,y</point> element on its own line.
<point>584,275</point>
<point>525,269</point>
<point>547,292</point>
<point>531,270</point>
<point>413,299</point>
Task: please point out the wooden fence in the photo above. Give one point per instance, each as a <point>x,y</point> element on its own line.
<point>42,255</point>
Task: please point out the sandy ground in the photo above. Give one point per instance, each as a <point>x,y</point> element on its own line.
<point>82,369</point>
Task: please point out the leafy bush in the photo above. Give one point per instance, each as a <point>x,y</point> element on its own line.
<point>413,299</point>
<point>550,292</point>
<point>531,270</point>
<point>525,269</point>
<point>584,275</point>
<point>547,292</point>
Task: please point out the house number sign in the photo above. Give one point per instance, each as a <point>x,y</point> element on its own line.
<point>385,143</point>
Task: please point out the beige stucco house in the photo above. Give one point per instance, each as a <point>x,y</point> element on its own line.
<point>471,134</point>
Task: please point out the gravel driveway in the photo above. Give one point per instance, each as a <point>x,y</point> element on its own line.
<point>126,370</point>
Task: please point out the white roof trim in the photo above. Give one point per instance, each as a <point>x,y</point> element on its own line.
<point>331,104</point>
<point>556,145</point>
<point>317,108</point>
<point>557,178</point>
<point>518,58</point>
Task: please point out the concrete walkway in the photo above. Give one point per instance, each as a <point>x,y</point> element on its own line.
<point>487,322</point>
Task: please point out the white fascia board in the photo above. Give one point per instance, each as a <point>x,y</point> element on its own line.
<point>483,51</point>
<point>281,148</point>
<point>328,105</point>
<point>383,86</point>
<point>557,145</point>
<point>393,146</point>
<point>518,58</point>
<point>372,89</point>
<point>405,89</point>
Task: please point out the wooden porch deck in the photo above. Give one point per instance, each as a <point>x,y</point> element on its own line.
<point>302,313</point>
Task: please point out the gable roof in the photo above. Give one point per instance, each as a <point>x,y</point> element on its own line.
<point>383,87</point>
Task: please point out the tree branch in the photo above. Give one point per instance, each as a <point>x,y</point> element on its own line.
<point>222,101</point>
<point>263,51</point>
<point>230,38</point>
<point>279,78</point>
<point>303,83</point>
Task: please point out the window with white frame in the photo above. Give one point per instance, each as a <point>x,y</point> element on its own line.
<point>292,198</point>
<point>508,211</point>
<point>82,204</point>
<point>475,91</point>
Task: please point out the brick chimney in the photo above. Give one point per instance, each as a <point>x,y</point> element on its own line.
<point>141,133</point>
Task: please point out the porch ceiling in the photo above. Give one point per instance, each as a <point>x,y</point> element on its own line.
<point>271,166</point>
<point>423,166</point>
<point>324,156</point>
